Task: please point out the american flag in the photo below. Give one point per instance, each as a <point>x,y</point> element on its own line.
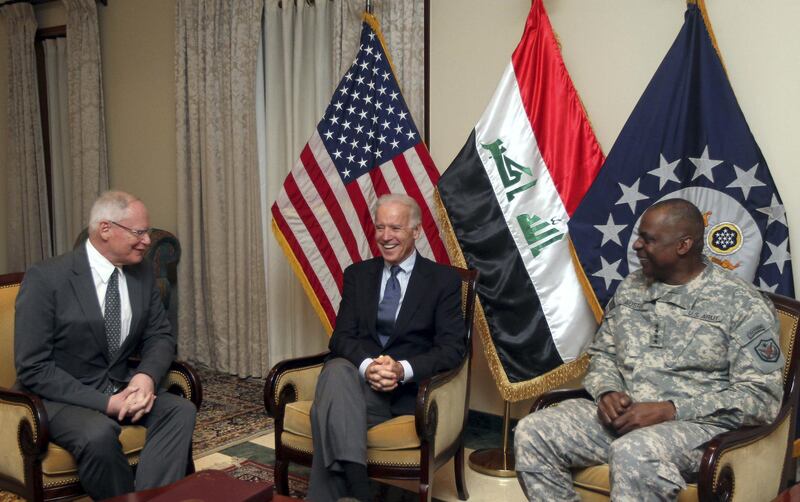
<point>365,146</point>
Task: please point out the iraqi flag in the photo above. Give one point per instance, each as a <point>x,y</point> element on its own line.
<point>509,195</point>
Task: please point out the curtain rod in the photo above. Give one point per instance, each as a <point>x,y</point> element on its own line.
<point>38,2</point>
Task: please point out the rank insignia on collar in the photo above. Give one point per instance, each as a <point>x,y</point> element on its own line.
<point>768,350</point>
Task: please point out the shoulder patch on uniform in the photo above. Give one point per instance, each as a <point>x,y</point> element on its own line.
<point>704,316</point>
<point>768,350</point>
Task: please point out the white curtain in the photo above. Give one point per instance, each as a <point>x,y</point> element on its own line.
<point>87,125</point>
<point>403,27</point>
<point>222,302</point>
<point>26,186</point>
<point>295,83</point>
<point>55,58</point>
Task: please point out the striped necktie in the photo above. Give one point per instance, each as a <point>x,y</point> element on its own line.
<point>387,309</point>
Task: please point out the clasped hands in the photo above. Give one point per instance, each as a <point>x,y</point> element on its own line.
<point>617,411</point>
<point>134,401</point>
<point>384,374</point>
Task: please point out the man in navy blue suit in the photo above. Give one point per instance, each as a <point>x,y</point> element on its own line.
<point>399,323</point>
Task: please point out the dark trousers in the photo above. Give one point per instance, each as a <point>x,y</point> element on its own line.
<point>344,408</point>
<point>93,439</point>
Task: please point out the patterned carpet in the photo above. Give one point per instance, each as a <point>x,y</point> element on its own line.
<point>232,411</point>
<point>254,471</point>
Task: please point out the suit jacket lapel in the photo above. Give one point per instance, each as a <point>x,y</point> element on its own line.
<point>418,284</point>
<point>135,296</point>
<point>374,293</point>
<point>83,287</point>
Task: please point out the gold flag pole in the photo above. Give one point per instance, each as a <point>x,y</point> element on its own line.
<point>497,462</point>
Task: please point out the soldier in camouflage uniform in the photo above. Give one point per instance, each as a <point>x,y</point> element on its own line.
<point>686,350</point>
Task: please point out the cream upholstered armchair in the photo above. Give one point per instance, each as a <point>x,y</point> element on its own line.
<point>405,447</point>
<point>30,465</point>
<point>750,464</point>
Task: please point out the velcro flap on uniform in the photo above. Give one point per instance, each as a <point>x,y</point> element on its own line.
<point>752,331</point>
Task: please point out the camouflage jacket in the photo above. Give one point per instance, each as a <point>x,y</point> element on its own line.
<point>709,346</point>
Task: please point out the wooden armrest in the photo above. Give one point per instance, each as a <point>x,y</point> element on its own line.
<point>183,380</point>
<point>292,380</point>
<point>24,436</point>
<point>729,453</point>
<point>556,396</point>
<point>433,390</point>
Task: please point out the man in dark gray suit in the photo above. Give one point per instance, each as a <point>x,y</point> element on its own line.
<point>399,322</point>
<point>79,317</point>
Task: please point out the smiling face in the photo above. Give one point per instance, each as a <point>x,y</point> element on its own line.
<point>660,244</point>
<point>119,245</point>
<point>394,233</point>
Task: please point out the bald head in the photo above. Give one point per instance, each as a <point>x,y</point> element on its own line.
<point>682,218</point>
<point>670,241</point>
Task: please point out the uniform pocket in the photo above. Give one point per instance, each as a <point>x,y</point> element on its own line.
<point>696,340</point>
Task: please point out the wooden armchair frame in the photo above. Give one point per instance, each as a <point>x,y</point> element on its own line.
<point>295,379</point>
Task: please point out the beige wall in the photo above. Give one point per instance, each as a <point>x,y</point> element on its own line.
<point>138,53</point>
<point>611,48</point>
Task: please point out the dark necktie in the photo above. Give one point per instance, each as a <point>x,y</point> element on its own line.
<point>112,313</point>
<point>113,321</point>
<point>387,309</point>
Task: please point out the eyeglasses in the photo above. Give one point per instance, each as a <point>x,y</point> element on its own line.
<point>139,234</point>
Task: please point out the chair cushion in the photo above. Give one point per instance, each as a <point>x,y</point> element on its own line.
<point>408,459</point>
<point>59,462</point>
<point>398,433</point>
<point>297,418</point>
<point>592,484</point>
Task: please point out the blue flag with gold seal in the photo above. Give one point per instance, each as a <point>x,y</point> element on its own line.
<point>686,138</point>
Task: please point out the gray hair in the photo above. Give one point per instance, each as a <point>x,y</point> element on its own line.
<point>110,206</point>
<point>415,216</point>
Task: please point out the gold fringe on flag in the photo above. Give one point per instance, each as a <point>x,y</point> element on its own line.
<point>298,271</point>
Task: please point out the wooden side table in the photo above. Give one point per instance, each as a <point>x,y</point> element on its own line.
<point>209,485</point>
<point>791,494</point>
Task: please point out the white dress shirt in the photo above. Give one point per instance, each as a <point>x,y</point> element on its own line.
<point>403,276</point>
<point>101,273</point>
